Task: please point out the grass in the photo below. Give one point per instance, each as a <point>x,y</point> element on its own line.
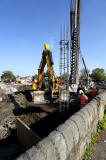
<point>90,148</point>
<point>100,127</point>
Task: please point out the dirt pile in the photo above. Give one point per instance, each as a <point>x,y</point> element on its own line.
<point>6,126</point>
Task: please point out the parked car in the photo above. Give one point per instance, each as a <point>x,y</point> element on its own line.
<point>7,80</point>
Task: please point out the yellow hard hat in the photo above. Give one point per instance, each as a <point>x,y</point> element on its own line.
<point>47,47</point>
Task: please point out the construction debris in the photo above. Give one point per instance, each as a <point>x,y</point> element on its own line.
<point>8,88</point>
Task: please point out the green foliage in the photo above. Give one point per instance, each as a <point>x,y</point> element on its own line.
<point>102,124</point>
<point>93,141</point>
<point>98,75</point>
<point>90,148</point>
<point>8,74</point>
<point>64,76</point>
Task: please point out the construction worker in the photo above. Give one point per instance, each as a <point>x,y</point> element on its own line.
<point>94,92</point>
<point>79,88</point>
<point>84,99</point>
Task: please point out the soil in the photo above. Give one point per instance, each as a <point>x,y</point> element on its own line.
<point>42,119</point>
<point>18,105</point>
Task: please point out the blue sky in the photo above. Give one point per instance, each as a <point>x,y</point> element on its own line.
<point>26,25</point>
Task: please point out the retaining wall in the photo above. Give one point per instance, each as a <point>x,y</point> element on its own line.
<point>69,140</point>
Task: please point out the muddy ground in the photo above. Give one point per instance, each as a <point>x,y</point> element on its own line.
<point>42,119</point>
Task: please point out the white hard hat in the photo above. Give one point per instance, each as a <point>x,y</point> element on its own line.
<point>81,92</point>
<point>35,80</point>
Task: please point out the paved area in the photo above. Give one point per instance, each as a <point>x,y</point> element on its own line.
<point>99,151</point>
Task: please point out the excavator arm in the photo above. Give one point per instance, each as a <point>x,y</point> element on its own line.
<point>47,59</point>
<point>40,70</point>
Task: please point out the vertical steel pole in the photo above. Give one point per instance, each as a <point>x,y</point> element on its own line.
<point>64,53</point>
<point>68,50</point>
<point>61,51</point>
<point>76,9</point>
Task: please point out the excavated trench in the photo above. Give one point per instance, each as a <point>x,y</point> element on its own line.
<point>42,119</point>
<point>10,147</point>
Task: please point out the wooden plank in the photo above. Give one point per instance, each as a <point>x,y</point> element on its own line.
<point>26,136</point>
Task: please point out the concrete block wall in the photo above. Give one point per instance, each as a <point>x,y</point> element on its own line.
<point>70,140</point>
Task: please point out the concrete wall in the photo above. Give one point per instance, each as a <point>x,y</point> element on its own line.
<point>69,140</point>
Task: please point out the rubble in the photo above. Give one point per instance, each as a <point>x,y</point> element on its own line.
<point>3,132</point>
<point>6,126</point>
<point>8,88</point>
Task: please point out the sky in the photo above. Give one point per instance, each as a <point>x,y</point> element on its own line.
<point>26,25</point>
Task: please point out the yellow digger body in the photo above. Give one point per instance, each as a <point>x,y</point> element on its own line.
<point>46,59</point>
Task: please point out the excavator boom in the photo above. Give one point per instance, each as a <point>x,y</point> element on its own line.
<point>46,59</point>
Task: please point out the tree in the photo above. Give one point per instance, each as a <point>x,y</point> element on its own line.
<point>64,76</point>
<point>98,75</point>
<point>8,74</point>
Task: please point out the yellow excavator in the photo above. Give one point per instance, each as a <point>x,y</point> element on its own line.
<point>53,81</point>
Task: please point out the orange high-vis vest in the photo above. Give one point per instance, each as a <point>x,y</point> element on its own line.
<point>84,100</point>
<point>94,92</point>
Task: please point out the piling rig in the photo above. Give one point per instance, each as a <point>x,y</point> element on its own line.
<point>73,80</point>
<point>75,44</point>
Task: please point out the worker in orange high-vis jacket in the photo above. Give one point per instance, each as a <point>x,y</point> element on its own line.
<point>84,99</point>
<point>94,92</point>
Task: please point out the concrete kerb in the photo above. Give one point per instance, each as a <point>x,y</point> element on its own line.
<point>102,96</point>
<point>94,120</point>
<point>23,157</point>
<point>48,149</point>
<point>85,117</point>
<point>84,112</point>
<point>91,107</point>
<point>94,104</point>
<point>59,144</point>
<point>87,114</point>
<point>74,130</point>
<point>91,112</point>
<point>70,136</point>
<point>67,134</point>
<point>80,124</point>
<point>32,154</point>
<point>35,153</point>
<point>100,106</point>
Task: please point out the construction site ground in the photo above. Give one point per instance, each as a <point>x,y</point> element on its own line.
<point>99,150</point>
<point>42,119</point>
